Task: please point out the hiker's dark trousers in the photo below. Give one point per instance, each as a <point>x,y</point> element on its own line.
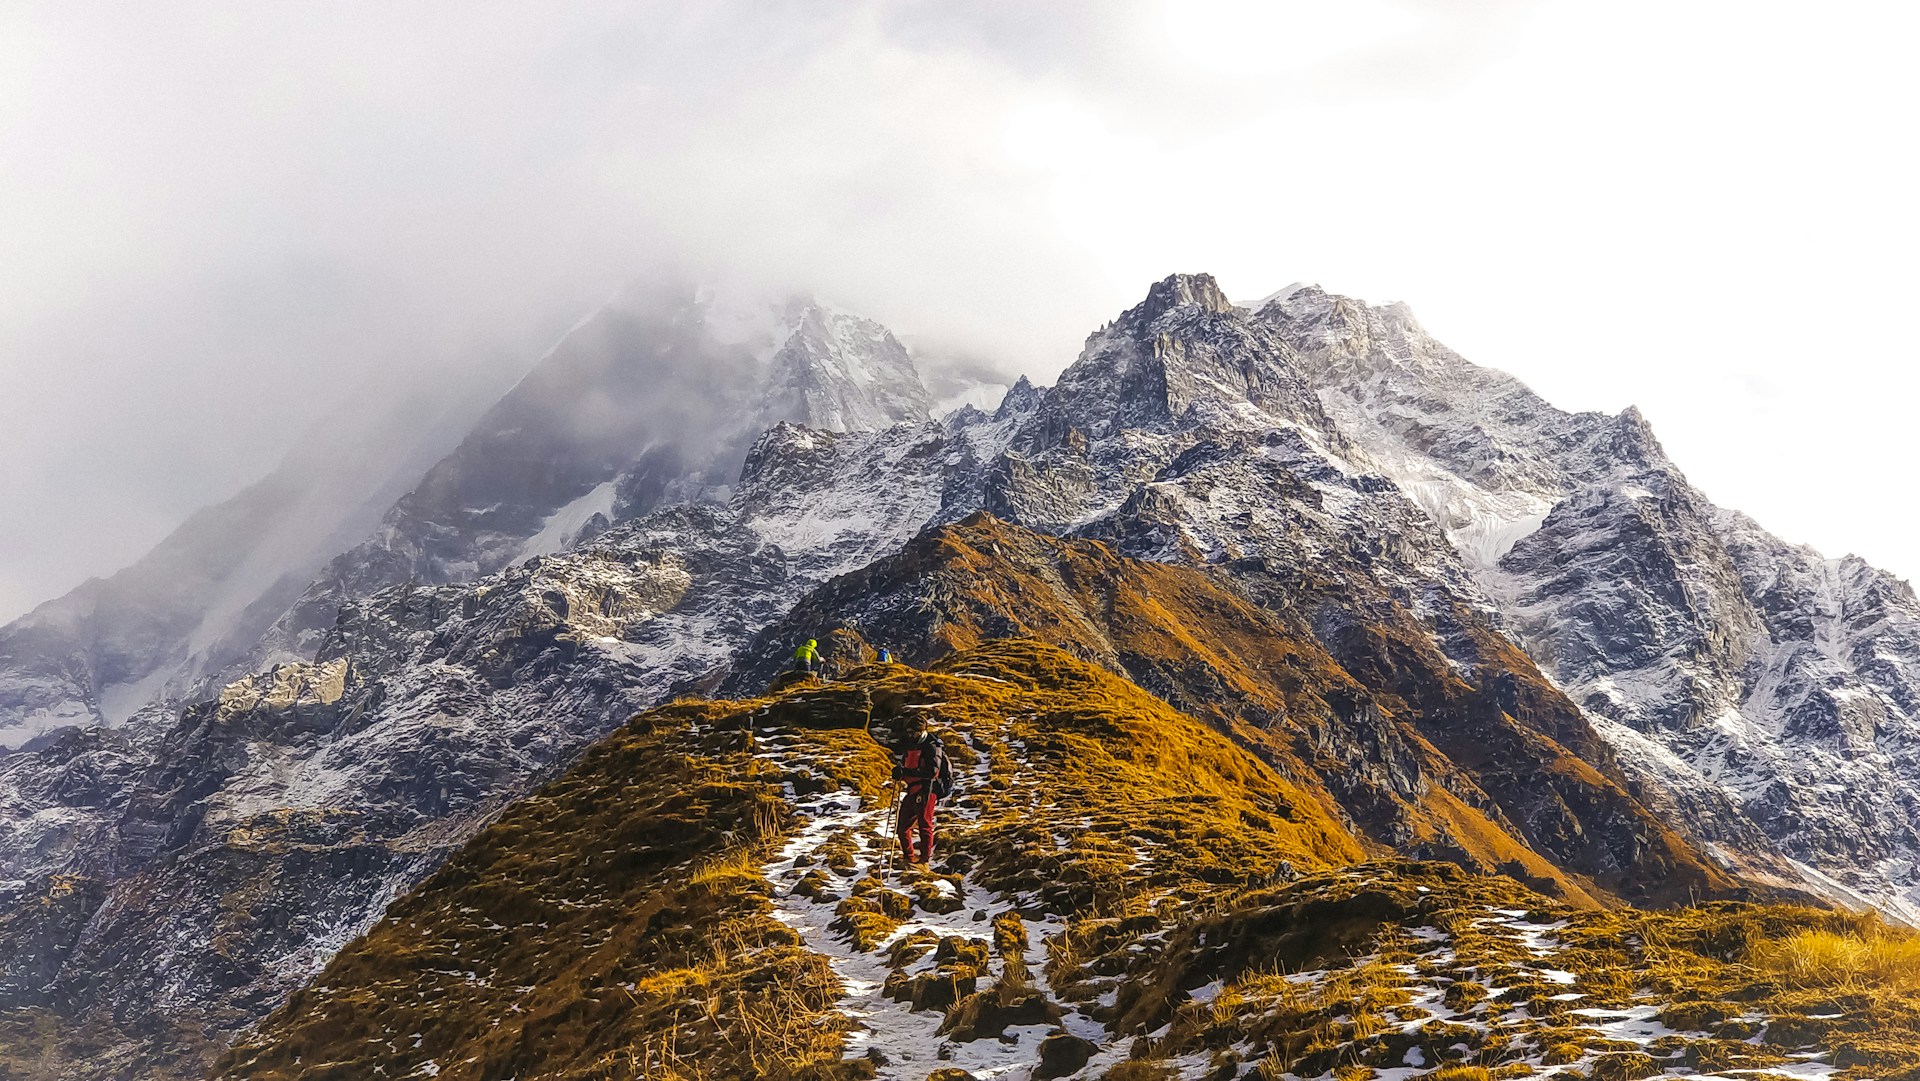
<point>916,813</point>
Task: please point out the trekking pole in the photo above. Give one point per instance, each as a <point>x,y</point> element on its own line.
<point>893,843</point>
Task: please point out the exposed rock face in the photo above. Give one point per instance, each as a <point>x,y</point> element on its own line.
<point>1759,687</point>
<point>844,374</point>
<point>656,398</point>
<point>1183,345</point>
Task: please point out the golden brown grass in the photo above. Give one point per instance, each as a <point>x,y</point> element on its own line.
<point>1877,959</point>
<point>1287,693</point>
<point>1716,968</point>
<point>719,874</point>
<point>614,925</point>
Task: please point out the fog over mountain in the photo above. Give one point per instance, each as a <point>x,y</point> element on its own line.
<point>226,223</point>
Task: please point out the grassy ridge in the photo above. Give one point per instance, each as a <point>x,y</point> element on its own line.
<point>1366,716</point>
<point>615,924</point>
<point>1141,878</point>
<point>610,926</point>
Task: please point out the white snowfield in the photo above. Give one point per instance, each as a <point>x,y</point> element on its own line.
<point>563,526</point>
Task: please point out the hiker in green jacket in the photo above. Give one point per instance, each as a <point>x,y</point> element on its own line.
<point>807,656</point>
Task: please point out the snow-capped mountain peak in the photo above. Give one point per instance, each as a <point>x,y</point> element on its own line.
<point>1177,291</point>
<point>1716,656</point>
<point>1183,345</point>
<point>842,373</point>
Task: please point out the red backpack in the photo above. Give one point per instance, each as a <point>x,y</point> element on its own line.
<point>941,782</point>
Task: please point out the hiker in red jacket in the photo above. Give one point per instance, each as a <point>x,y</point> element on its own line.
<point>928,776</point>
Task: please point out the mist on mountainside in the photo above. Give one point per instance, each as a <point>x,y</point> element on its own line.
<point>655,395</point>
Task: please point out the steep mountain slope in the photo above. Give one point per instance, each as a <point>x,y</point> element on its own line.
<point>654,398</point>
<point>1254,478</point>
<point>842,373</point>
<point>1124,894</point>
<point>206,593</point>
<point>1762,687</point>
<point>424,711</point>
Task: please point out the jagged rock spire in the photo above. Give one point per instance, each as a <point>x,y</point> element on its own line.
<point>1177,291</point>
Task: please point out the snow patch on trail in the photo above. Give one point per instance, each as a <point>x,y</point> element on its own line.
<point>1636,1024</point>
<point>905,1042</point>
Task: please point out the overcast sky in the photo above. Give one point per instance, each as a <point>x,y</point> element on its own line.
<point>219,221</point>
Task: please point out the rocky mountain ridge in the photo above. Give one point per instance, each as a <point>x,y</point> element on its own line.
<point>653,398</point>
<point>184,615</point>
<point>1382,743</point>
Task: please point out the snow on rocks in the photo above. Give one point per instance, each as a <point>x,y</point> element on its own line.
<point>1766,695</point>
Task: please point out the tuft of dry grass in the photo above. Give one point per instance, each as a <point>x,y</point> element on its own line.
<point>718,874</point>
<point>1878,958</point>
